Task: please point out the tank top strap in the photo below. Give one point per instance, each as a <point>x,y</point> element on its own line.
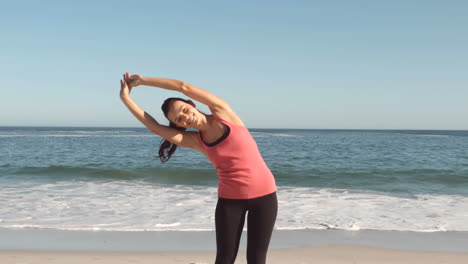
<point>225,122</point>
<point>224,136</point>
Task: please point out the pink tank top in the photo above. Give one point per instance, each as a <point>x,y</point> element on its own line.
<point>242,172</point>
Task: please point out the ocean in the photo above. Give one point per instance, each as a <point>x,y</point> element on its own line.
<point>72,178</point>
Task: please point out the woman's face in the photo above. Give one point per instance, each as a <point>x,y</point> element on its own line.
<point>183,114</point>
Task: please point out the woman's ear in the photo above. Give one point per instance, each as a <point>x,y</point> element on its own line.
<point>191,103</point>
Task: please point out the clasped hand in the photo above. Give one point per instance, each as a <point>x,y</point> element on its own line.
<point>128,82</point>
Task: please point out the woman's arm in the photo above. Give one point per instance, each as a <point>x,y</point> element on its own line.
<point>200,95</point>
<point>217,105</point>
<point>180,138</point>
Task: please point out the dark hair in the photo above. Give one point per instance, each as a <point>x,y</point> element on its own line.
<point>166,148</point>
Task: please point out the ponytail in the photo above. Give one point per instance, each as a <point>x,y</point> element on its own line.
<point>167,148</point>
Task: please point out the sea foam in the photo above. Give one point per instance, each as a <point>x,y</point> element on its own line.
<point>133,206</point>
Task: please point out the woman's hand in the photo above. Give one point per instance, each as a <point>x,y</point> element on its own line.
<point>133,80</point>
<point>125,89</point>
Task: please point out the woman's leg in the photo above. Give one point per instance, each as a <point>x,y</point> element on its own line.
<point>229,220</point>
<point>260,222</point>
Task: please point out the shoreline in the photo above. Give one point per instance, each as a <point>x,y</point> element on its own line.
<point>205,241</point>
<point>52,246</point>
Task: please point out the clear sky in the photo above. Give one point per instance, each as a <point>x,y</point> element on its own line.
<point>280,64</point>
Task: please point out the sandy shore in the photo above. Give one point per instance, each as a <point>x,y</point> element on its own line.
<point>324,255</point>
<point>27,246</point>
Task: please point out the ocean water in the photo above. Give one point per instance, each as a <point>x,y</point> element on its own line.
<point>111,179</point>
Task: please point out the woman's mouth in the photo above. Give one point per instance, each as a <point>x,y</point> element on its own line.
<point>194,118</point>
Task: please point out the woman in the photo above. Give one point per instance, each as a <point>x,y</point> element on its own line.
<point>245,182</point>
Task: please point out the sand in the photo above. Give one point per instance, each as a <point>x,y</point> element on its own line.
<point>324,255</point>
<point>28,246</point>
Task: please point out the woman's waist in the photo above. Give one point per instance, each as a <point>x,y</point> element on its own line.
<point>245,190</point>
<point>239,173</point>
<point>250,179</point>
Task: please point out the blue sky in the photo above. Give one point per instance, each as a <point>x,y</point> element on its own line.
<point>280,64</point>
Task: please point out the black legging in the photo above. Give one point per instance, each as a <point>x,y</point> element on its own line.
<point>229,219</point>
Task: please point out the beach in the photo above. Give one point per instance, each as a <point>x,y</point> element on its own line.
<point>299,246</point>
<point>99,195</point>
<point>325,255</point>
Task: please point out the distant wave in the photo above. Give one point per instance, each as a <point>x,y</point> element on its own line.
<point>433,135</point>
<point>265,134</point>
<point>152,174</point>
<point>429,133</point>
<point>79,135</point>
<point>395,181</point>
<point>97,131</point>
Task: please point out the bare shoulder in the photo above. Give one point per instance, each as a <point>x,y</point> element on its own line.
<point>229,115</point>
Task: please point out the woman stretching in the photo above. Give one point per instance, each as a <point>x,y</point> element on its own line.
<point>245,184</point>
